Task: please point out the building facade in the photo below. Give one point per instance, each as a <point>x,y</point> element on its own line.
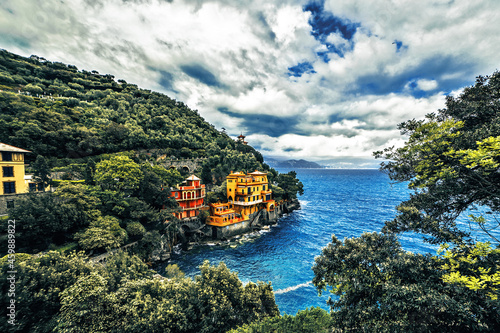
<point>248,193</point>
<point>13,177</point>
<point>190,196</point>
<point>222,214</point>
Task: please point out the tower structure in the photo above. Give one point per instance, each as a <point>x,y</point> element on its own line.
<point>241,139</point>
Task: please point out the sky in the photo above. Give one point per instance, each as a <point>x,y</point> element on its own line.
<point>323,80</point>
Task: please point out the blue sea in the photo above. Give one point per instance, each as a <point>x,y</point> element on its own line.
<point>335,201</point>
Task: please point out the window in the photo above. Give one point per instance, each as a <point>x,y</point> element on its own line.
<point>10,203</point>
<point>9,187</point>
<point>32,187</point>
<point>8,171</point>
<point>6,156</point>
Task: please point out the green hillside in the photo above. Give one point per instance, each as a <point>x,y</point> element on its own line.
<point>108,139</point>
<point>57,111</point>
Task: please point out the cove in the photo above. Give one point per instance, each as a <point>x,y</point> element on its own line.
<point>335,201</point>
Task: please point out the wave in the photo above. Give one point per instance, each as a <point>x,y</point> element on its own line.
<point>292,288</point>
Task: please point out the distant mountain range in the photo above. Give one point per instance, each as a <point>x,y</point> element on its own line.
<point>293,164</point>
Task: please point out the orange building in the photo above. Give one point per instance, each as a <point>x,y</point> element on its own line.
<point>190,196</point>
<point>222,214</point>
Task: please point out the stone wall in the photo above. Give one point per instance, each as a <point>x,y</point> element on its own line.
<point>6,198</point>
<point>188,165</point>
<point>256,221</point>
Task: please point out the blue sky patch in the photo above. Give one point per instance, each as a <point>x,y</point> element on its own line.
<point>166,80</point>
<point>303,67</point>
<point>400,46</point>
<point>324,23</point>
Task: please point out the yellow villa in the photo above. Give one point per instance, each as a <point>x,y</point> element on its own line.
<point>14,179</point>
<point>248,193</point>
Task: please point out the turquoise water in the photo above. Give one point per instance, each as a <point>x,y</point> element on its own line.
<point>341,202</point>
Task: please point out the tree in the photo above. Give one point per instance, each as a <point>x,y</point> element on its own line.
<point>121,266</point>
<point>88,306</point>
<point>313,320</point>
<point>33,88</point>
<point>154,187</point>
<point>46,218</point>
<point>104,233</point>
<point>39,282</point>
<point>221,299</point>
<point>89,172</point>
<point>290,185</point>
<point>41,170</point>
<point>119,173</point>
<point>475,266</point>
<point>381,288</point>
<point>451,161</point>
<point>172,271</point>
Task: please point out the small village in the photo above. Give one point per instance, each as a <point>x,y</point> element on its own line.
<point>249,205</point>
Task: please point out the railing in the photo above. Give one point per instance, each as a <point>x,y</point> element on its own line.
<point>249,203</point>
<point>219,223</point>
<point>193,198</point>
<point>222,212</point>
<point>242,192</point>
<point>191,208</point>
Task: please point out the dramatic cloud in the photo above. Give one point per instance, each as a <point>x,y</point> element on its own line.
<point>316,79</point>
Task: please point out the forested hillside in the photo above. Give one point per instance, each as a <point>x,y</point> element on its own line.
<point>107,138</point>
<point>57,111</point>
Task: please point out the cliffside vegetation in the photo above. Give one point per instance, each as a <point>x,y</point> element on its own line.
<point>108,140</point>
<point>68,293</point>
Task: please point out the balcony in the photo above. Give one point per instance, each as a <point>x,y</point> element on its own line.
<point>191,208</point>
<point>191,198</point>
<point>218,222</point>
<point>249,203</point>
<point>242,192</point>
<point>224,212</point>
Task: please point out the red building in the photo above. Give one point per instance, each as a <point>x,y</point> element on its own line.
<point>190,196</point>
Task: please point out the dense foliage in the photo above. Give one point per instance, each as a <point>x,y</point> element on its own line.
<point>68,293</point>
<point>313,320</point>
<point>452,162</point>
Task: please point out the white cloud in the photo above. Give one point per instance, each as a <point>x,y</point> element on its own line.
<point>231,60</point>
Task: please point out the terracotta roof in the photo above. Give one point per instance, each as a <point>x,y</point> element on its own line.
<point>6,147</point>
<point>193,177</point>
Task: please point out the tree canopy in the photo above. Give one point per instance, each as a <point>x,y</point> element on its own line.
<point>451,161</point>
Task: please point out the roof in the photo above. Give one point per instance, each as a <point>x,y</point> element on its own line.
<point>257,173</point>
<point>6,147</point>
<point>193,177</point>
